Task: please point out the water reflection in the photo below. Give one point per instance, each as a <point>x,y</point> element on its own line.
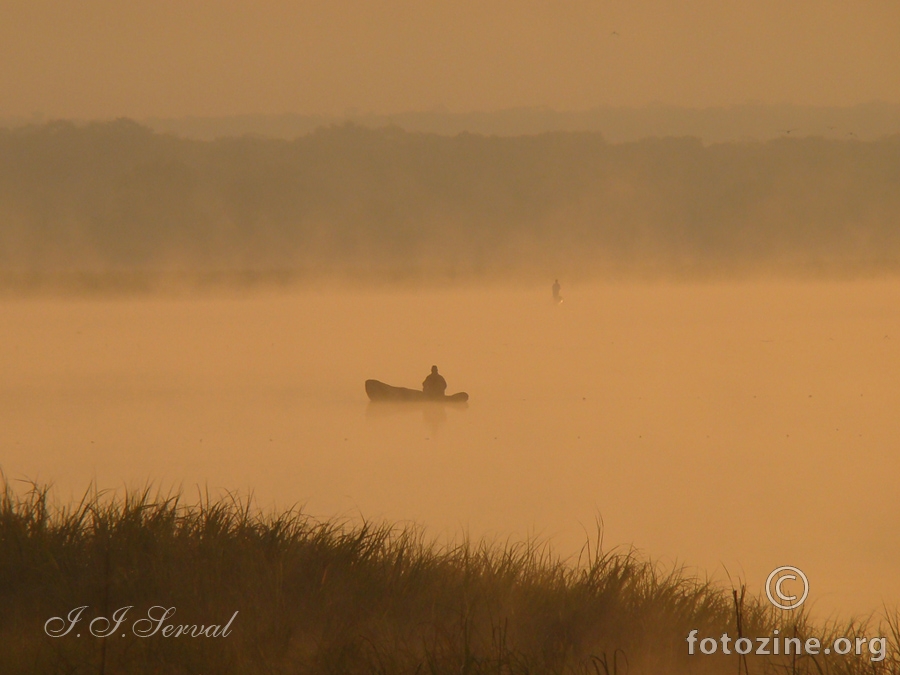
<point>432,413</point>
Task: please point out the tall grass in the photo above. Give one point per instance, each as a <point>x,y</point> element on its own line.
<point>318,596</point>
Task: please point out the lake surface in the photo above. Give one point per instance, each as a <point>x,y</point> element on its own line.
<point>734,428</point>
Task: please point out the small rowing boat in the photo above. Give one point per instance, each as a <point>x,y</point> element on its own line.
<point>379,391</point>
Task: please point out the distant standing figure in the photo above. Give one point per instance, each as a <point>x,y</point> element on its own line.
<point>434,385</point>
<point>556,298</point>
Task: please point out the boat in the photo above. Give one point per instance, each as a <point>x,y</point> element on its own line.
<point>379,391</point>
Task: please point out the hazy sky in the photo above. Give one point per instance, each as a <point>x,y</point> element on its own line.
<point>105,58</point>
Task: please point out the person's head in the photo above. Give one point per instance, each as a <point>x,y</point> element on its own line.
<point>434,370</point>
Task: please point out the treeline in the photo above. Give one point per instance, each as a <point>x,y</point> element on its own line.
<point>759,122</point>
<point>117,197</point>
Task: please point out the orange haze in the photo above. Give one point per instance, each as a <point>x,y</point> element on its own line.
<point>735,427</point>
<point>107,58</point>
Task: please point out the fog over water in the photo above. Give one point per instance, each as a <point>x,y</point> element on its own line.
<point>219,219</point>
<point>728,426</point>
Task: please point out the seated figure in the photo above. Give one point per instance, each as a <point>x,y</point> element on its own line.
<point>434,385</point>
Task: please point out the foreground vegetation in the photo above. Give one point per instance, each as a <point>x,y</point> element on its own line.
<point>333,597</point>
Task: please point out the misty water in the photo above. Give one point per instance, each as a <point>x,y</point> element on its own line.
<point>733,428</point>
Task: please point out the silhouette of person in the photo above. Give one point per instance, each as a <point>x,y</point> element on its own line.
<point>434,385</point>
<point>556,297</point>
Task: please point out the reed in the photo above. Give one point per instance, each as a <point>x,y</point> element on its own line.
<point>331,596</point>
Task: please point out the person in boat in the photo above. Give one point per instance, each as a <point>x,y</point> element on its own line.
<point>434,385</point>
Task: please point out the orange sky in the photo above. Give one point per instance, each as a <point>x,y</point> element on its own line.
<point>106,58</point>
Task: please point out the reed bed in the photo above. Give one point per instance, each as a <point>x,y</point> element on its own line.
<point>342,597</point>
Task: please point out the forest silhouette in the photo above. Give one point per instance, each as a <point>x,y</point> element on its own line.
<point>116,196</point>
